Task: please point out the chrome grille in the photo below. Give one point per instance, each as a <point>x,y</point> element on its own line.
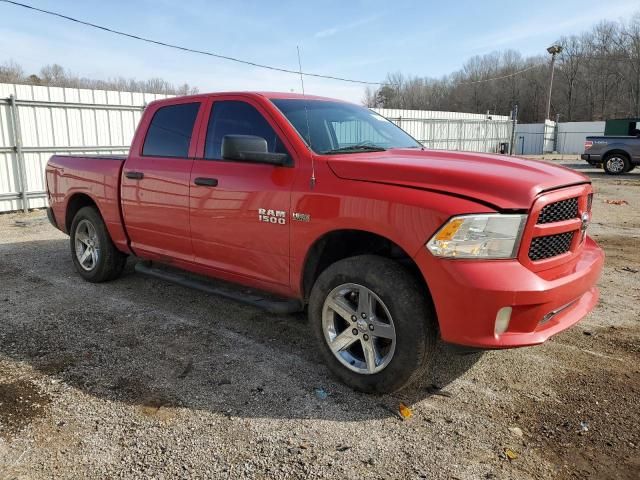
<point>559,211</point>
<point>550,245</point>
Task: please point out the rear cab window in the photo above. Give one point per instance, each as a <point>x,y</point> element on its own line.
<point>170,130</point>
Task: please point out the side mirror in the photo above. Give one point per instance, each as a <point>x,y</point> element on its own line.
<point>251,148</point>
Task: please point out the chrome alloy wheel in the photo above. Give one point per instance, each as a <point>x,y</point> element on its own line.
<point>358,328</point>
<point>615,164</point>
<point>87,245</point>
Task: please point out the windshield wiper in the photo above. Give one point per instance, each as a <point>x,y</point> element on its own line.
<point>355,149</point>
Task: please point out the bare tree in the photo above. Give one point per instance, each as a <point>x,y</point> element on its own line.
<point>629,46</point>
<point>54,75</point>
<point>569,69</point>
<point>597,77</point>
<point>369,98</point>
<point>11,72</point>
<point>57,76</point>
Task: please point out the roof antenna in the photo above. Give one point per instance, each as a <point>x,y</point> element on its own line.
<point>312,181</point>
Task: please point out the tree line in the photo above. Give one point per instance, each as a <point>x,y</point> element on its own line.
<point>597,76</point>
<point>57,76</point>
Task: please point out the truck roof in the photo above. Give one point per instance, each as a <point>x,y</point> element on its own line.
<point>269,95</point>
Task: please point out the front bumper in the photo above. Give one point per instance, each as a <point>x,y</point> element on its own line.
<point>467,295</point>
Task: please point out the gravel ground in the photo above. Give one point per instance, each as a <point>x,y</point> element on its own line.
<point>139,378</point>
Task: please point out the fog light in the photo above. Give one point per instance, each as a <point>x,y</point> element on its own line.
<point>502,320</point>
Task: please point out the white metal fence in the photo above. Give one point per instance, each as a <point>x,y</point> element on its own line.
<point>568,138</point>
<point>571,135</point>
<point>453,130</point>
<point>37,122</point>
<point>534,138</point>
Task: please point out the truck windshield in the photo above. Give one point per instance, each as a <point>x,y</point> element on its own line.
<point>337,127</point>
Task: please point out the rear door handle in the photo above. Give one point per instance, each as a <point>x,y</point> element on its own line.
<point>206,182</point>
<point>134,175</point>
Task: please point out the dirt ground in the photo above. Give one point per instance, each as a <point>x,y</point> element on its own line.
<point>139,378</point>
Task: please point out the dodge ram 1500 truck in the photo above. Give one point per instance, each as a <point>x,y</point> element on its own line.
<point>314,203</point>
<point>617,155</point>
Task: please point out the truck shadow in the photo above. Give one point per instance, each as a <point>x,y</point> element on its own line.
<point>158,346</point>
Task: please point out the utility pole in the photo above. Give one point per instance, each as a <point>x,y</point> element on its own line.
<point>555,133</point>
<point>553,50</point>
<point>514,122</point>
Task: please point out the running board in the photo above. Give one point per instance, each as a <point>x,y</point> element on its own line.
<point>271,305</point>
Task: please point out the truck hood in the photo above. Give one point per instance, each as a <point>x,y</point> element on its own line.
<point>502,181</point>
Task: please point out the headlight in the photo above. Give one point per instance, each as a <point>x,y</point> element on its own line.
<point>479,236</point>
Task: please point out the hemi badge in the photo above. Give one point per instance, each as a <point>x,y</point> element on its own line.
<point>301,217</point>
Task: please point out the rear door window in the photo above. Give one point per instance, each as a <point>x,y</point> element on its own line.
<point>233,117</point>
<point>170,130</point>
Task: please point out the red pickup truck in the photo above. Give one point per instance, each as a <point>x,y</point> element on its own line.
<point>315,203</point>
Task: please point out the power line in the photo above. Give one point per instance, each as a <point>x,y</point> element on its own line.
<point>455,84</point>
<point>501,77</point>
<point>187,49</point>
<point>234,59</point>
<point>609,57</point>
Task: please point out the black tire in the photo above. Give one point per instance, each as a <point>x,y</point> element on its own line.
<point>412,314</point>
<point>616,163</point>
<point>631,167</point>
<point>110,261</point>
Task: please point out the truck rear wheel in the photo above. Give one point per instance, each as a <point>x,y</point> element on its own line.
<point>616,164</point>
<point>372,321</point>
<point>94,255</point>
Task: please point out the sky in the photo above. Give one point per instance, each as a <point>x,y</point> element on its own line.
<point>360,39</point>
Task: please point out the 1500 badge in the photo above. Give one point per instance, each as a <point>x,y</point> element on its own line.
<point>272,216</point>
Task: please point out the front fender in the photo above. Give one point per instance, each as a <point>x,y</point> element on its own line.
<point>408,217</point>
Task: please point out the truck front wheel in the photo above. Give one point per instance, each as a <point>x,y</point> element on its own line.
<point>372,321</point>
<point>616,164</point>
<point>94,255</point>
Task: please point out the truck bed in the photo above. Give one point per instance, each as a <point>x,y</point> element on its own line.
<point>618,137</point>
<point>74,179</point>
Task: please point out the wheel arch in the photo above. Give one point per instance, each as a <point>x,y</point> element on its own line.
<point>339,244</point>
<point>617,151</point>
<point>74,204</point>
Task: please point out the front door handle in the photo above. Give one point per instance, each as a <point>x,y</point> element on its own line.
<point>206,182</point>
<point>134,175</point>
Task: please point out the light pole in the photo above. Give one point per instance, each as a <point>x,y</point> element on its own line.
<point>553,50</point>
